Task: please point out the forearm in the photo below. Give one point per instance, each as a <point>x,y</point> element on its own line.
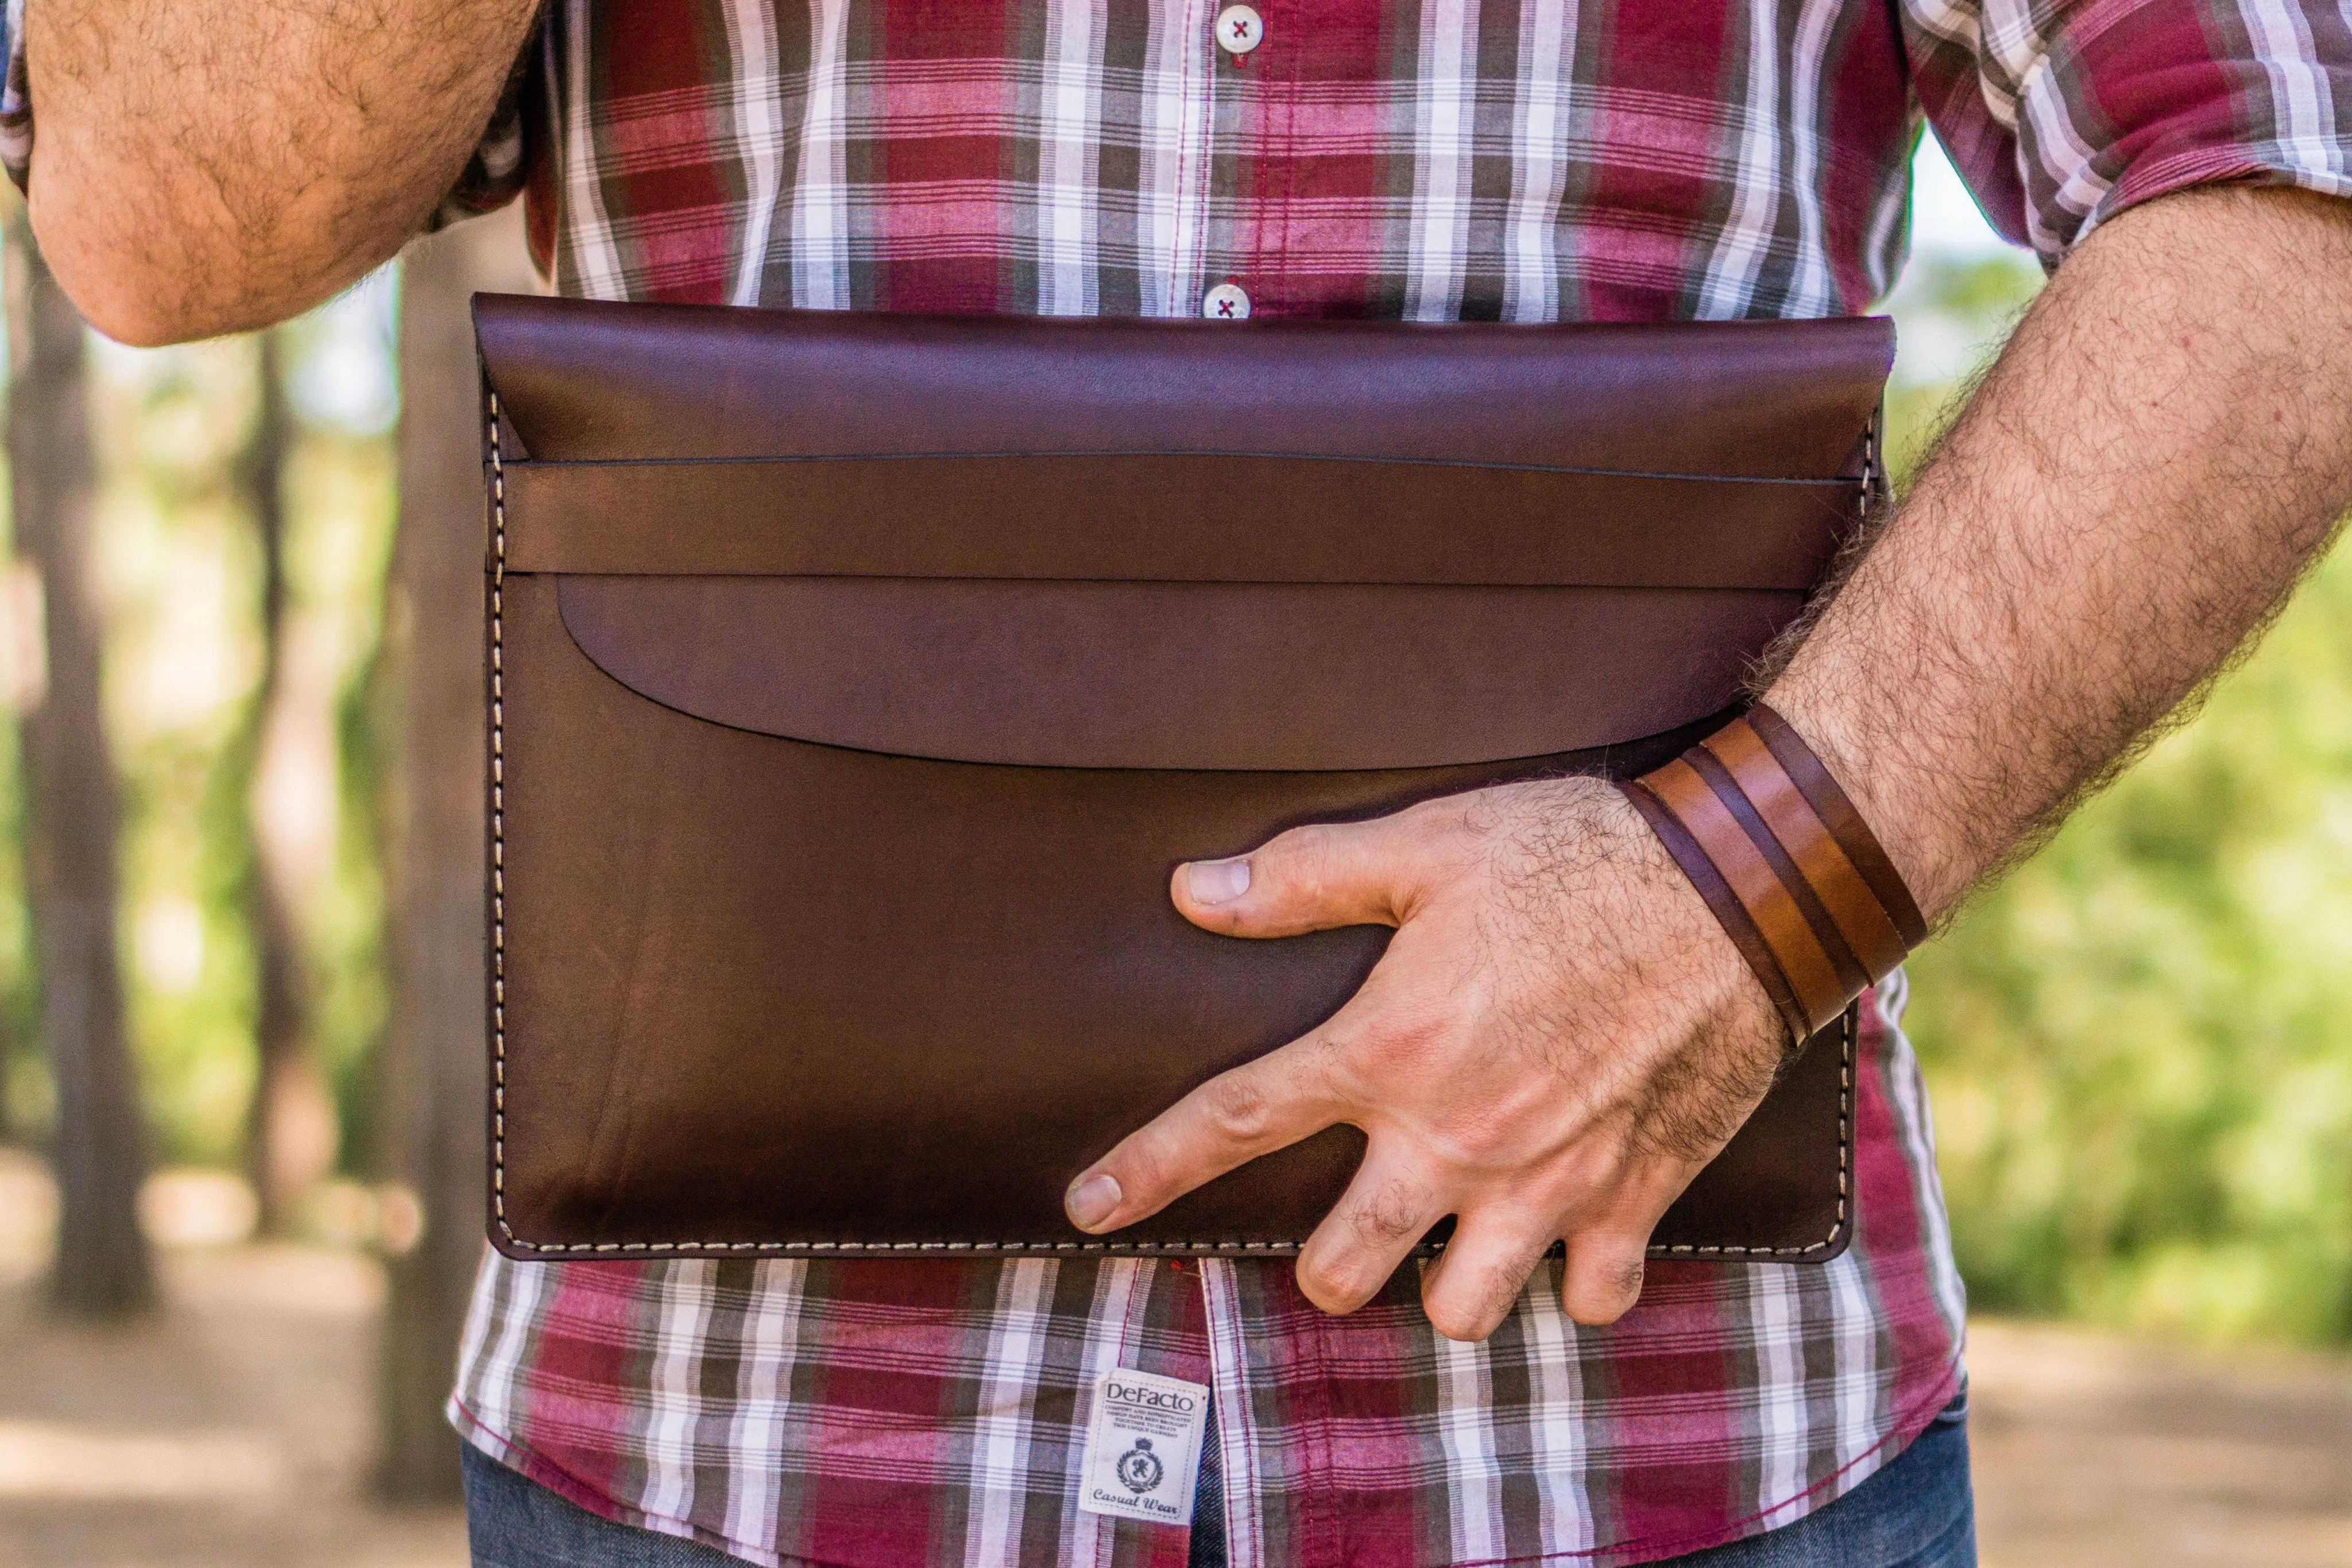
<point>2164,446</point>
<point>207,167</point>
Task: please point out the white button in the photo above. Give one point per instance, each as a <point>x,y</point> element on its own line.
<point>1225,303</point>
<point>1240,29</point>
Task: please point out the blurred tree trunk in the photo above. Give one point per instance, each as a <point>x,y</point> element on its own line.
<point>102,1264</point>
<point>433,1083</point>
<point>290,1130</point>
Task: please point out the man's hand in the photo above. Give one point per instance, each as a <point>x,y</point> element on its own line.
<point>1558,1039</point>
<point>1560,1035</point>
<point>207,166</point>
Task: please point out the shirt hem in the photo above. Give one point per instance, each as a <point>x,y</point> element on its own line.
<point>522,1459</point>
<point>533,1466</point>
<point>1906,1431</point>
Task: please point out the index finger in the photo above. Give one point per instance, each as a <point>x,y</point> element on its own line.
<point>1234,1117</point>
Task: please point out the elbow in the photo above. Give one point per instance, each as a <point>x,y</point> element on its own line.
<point>123,309</point>
<point>118,279</point>
<point>143,281</point>
<point>136,318</point>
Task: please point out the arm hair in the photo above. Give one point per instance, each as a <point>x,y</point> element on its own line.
<point>2145,472</point>
<point>207,166</point>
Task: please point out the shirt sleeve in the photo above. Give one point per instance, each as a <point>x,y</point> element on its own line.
<point>492,176</point>
<point>16,99</point>
<point>2061,113</point>
<point>500,163</point>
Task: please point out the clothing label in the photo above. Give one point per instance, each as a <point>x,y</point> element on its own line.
<point>1143,1444</point>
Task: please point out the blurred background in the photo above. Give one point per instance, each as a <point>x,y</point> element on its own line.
<point>240,935</point>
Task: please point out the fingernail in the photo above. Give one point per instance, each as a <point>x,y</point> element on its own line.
<point>1217,882</point>
<point>1091,1201</point>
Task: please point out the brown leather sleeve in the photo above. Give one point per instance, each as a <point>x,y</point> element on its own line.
<point>803,626</point>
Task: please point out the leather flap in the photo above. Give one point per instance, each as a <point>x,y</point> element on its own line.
<point>1317,545</point>
<point>1175,675</point>
<point>583,381</point>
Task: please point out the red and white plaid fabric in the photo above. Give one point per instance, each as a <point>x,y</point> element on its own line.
<point>1520,160</point>
<point>905,1413</point>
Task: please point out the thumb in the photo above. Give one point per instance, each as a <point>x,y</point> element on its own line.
<point>1308,879</point>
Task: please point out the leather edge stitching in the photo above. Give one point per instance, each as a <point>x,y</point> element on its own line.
<point>497,989</point>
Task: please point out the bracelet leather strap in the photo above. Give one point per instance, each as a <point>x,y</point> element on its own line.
<point>1786,864</point>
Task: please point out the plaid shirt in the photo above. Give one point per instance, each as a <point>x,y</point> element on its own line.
<point>1520,160</point>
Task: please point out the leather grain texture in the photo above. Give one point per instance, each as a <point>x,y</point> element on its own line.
<point>1174,675</point>
<point>580,382</point>
<point>858,682</point>
<point>1231,518</point>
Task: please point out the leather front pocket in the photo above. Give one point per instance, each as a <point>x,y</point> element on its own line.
<point>764,993</point>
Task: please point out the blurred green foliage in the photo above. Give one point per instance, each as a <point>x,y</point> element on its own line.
<point>2139,1045</point>
<point>178,564</point>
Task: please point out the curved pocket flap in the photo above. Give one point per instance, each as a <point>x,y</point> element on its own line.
<point>1245,676</point>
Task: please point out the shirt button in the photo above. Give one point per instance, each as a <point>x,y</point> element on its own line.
<point>1225,303</point>
<point>1240,29</point>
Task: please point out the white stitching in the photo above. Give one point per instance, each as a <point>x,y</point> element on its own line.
<point>861,1248</point>
<point>1848,1032</point>
<point>499,832</point>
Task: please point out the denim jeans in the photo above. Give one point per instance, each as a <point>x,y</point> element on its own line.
<point>1917,1512</point>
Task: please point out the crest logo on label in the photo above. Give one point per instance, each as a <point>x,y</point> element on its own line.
<point>1139,1467</point>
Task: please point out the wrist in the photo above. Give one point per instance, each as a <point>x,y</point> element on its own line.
<point>1863,753</point>
<point>1710,979</point>
<point>1785,862</point>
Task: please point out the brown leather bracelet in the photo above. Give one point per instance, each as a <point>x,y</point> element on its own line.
<point>1785,862</point>
<point>1720,901</point>
<point>1837,814</point>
